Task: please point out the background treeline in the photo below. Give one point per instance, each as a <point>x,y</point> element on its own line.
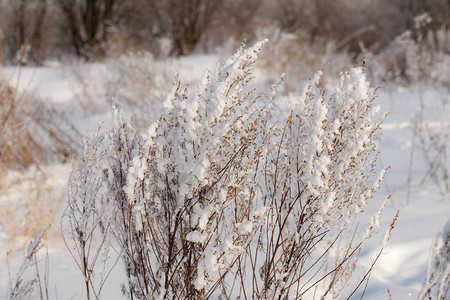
<point>35,30</point>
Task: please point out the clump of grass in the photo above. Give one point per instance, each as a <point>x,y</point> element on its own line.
<point>137,82</point>
<point>225,196</point>
<point>18,147</point>
<point>28,201</point>
<point>31,131</point>
<point>437,283</point>
<point>32,134</point>
<point>28,280</point>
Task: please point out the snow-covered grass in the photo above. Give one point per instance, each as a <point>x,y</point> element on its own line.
<point>402,267</point>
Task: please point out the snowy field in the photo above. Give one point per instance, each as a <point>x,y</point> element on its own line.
<point>402,267</point>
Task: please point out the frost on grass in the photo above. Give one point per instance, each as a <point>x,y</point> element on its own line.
<point>22,286</point>
<point>221,197</point>
<point>437,283</point>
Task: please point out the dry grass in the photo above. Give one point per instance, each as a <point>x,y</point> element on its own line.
<point>28,202</point>
<point>31,136</point>
<point>31,131</point>
<point>136,82</point>
<point>298,57</point>
<point>18,147</point>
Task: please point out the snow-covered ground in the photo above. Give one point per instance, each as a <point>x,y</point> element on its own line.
<point>401,268</point>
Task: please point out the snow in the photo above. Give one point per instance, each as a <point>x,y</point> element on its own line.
<point>244,228</point>
<point>402,267</point>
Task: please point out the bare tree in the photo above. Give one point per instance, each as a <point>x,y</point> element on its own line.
<point>24,22</point>
<point>319,19</point>
<point>90,23</point>
<point>183,21</point>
